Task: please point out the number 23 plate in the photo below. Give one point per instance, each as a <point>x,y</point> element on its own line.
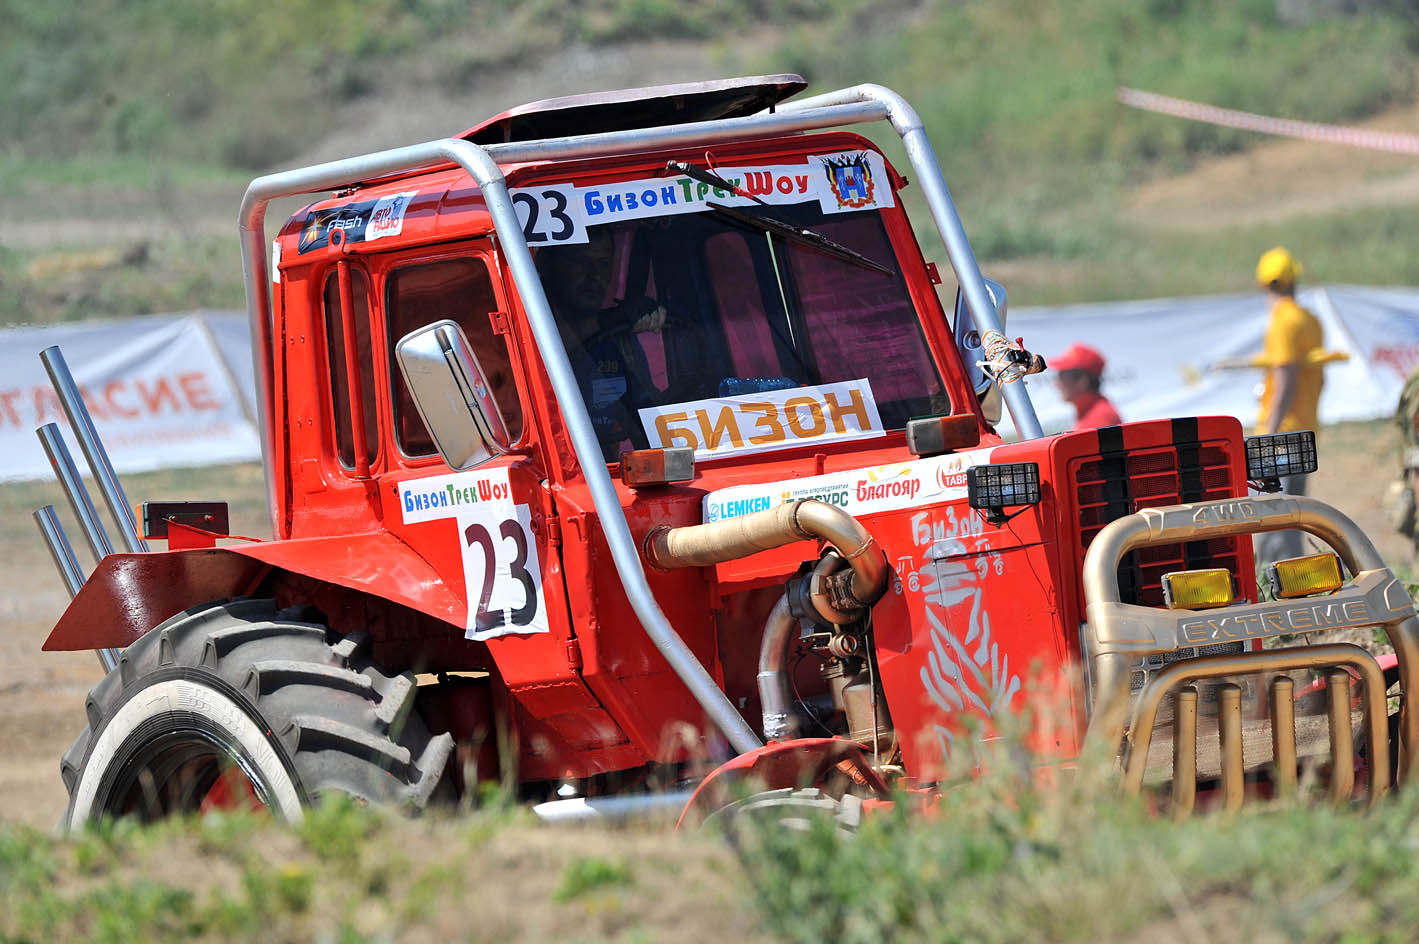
<point>500,567</point>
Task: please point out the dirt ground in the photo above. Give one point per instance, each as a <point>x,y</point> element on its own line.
<point>1280,179</point>
<point>42,694</point>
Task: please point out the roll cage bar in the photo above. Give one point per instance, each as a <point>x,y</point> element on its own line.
<point>856,105</point>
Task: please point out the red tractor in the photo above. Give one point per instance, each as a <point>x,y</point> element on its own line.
<point>624,435</point>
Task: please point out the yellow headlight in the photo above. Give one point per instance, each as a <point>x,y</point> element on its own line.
<point>1198,589</point>
<point>1304,576</point>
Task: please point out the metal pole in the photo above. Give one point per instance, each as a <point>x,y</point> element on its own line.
<point>612,808</point>
<point>69,572</point>
<point>624,552</point>
<point>74,490</point>
<point>89,442</point>
<point>909,127</point>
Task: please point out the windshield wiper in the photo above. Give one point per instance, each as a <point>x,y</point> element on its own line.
<point>768,224</point>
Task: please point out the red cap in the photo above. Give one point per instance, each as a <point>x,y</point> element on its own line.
<point>1079,357</point>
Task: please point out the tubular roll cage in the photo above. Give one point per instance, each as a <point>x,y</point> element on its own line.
<point>1119,633</point>
<point>856,105</point>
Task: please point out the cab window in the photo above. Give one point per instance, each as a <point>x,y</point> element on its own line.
<point>339,382</point>
<point>460,290</point>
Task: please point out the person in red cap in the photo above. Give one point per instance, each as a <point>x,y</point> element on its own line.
<point>1079,372</point>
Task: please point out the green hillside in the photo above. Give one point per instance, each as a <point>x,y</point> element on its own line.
<point>153,107</point>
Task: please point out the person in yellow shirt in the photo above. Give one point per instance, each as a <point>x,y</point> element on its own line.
<point>1291,352</point>
<point>1293,357</point>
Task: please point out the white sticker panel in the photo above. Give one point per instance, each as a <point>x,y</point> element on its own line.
<point>858,491</point>
<point>555,214</point>
<point>774,419</point>
<point>500,567</point>
<point>387,216</point>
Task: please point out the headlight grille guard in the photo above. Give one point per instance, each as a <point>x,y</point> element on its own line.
<point>1118,633</point>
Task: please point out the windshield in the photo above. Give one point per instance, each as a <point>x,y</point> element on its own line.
<point>703,329</point>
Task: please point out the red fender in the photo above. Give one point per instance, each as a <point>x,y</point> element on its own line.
<point>129,594</point>
<point>804,762</point>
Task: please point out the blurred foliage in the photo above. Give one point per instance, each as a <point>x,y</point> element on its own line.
<point>1019,96</point>
<point>1021,853</point>
<point>1023,85</point>
<point>128,77</point>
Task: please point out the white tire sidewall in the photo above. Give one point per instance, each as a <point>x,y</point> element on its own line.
<point>187,697</point>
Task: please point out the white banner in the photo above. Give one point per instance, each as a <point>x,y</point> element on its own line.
<point>1158,353</point>
<point>159,390</point>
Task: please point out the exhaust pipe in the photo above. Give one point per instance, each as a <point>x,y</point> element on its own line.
<point>64,469</point>
<point>775,696</point>
<point>83,425</point>
<point>63,553</point>
<point>837,598</point>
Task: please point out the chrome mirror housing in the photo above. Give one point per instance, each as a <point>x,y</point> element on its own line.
<point>452,395</point>
<point>968,342</point>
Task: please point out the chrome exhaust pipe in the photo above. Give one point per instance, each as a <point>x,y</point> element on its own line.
<point>63,553</point>
<point>64,469</point>
<point>775,697</point>
<point>83,425</point>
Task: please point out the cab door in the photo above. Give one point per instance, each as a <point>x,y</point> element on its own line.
<point>492,531</point>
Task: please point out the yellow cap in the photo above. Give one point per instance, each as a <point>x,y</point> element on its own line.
<point>1279,266</point>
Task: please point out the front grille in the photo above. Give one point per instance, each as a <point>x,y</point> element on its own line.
<point>1146,667</point>
<point>1110,486</point>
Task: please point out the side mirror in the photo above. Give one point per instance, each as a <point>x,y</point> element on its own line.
<point>452,395</point>
<point>968,342</point>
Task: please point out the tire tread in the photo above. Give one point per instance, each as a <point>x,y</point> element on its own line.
<point>346,725</point>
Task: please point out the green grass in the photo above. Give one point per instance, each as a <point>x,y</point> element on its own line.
<point>999,859</point>
<point>1002,859</point>
<point>583,876</point>
<point>357,874</point>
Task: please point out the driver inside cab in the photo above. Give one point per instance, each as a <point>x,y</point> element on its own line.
<point>599,334</point>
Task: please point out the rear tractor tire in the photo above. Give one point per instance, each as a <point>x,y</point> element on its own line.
<point>239,704</point>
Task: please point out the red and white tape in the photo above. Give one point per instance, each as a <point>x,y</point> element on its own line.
<point>1391,141</point>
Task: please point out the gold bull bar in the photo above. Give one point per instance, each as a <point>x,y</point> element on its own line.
<point>1118,633</point>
